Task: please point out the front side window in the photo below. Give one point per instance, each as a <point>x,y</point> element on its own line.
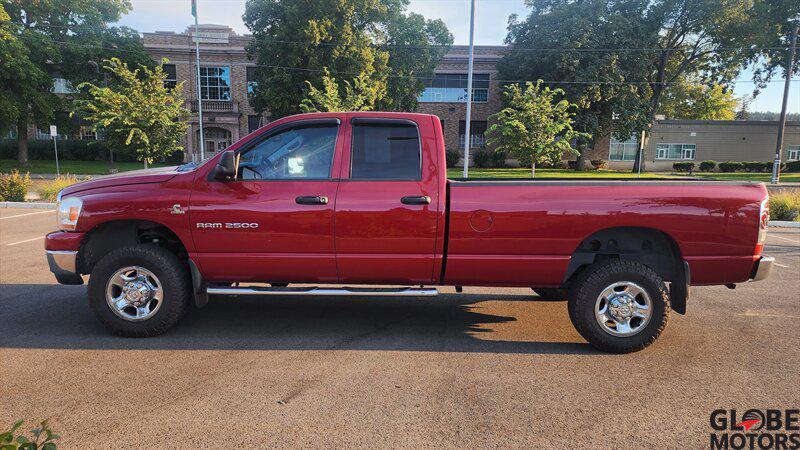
<point>215,83</point>
<point>385,152</point>
<point>675,151</point>
<point>452,88</point>
<point>296,153</point>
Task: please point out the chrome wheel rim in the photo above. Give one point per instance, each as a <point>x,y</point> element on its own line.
<point>623,309</point>
<point>134,293</point>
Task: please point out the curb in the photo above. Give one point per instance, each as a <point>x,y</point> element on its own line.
<point>784,224</point>
<point>28,205</point>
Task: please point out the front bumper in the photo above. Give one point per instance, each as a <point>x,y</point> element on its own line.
<point>63,264</point>
<point>762,268</point>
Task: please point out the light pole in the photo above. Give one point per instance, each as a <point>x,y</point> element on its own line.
<point>199,94</point>
<point>776,166</point>
<point>469,88</point>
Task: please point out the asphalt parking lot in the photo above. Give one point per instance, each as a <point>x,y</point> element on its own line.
<point>481,369</point>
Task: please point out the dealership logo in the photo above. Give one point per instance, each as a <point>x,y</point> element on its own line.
<point>755,429</point>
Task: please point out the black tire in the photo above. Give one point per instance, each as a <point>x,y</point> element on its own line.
<point>171,274</point>
<point>590,284</point>
<point>551,294</point>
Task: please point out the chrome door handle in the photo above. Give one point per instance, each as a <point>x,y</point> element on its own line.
<point>311,200</point>
<point>416,200</point>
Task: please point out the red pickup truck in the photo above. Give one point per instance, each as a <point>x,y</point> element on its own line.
<point>363,199</point>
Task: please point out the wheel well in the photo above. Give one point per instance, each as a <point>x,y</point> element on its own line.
<point>111,235</point>
<point>648,246</point>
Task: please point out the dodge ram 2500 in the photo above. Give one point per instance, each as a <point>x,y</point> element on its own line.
<point>363,199</point>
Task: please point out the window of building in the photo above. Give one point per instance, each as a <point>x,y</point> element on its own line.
<point>215,83</point>
<point>477,131</point>
<point>62,86</point>
<point>12,132</point>
<point>385,151</point>
<point>301,152</point>
<point>172,76</point>
<point>87,133</point>
<point>251,80</point>
<point>793,153</point>
<point>675,151</point>
<point>623,150</point>
<point>43,134</point>
<point>452,88</point>
<point>253,123</point>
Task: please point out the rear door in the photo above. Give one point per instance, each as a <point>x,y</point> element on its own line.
<point>387,206</point>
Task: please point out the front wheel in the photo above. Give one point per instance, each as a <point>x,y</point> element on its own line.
<point>619,306</point>
<point>139,291</point>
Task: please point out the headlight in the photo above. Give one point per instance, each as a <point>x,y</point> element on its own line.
<point>69,210</point>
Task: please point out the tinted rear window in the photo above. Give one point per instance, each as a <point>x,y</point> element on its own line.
<point>386,152</point>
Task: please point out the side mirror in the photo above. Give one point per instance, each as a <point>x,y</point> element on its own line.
<point>226,166</point>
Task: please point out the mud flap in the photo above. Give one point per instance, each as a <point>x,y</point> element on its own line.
<point>679,289</point>
<point>199,293</point>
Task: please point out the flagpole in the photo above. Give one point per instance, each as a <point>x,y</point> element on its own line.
<point>467,130</point>
<point>199,94</point>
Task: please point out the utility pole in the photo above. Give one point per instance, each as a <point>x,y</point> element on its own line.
<point>199,94</point>
<point>776,167</point>
<point>469,88</point>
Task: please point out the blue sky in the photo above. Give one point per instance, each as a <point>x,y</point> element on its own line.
<point>490,28</point>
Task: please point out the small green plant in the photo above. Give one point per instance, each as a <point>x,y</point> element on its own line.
<point>730,166</point>
<point>791,166</point>
<point>785,205</point>
<point>598,163</point>
<point>14,186</point>
<point>481,159</point>
<point>707,166</point>
<point>686,166</point>
<point>756,166</point>
<point>452,158</point>
<point>499,159</point>
<point>42,438</point>
<point>49,190</point>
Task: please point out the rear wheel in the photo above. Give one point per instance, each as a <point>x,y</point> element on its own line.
<point>139,291</point>
<point>619,306</point>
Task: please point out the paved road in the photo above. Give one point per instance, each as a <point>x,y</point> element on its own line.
<point>485,368</point>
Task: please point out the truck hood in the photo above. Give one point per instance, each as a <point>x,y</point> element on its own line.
<point>157,175</point>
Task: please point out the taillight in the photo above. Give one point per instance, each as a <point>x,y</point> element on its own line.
<point>763,220</point>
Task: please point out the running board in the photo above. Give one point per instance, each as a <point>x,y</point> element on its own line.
<point>316,291</point>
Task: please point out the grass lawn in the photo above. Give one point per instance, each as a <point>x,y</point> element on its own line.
<point>744,176</point>
<point>547,173</point>
<point>73,167</point>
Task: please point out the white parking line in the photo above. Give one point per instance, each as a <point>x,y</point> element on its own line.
<point>26,240</point>
<point>28,214</point>
<point>785,239</point>
<point>781,265</point>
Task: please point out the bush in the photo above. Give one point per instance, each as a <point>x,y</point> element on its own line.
<point>707,166</point>
<point>14,186</point>
<point>730,166</point>
<point>757,166</point>
<point>49,190</point>
<point>791,166</point>
<point>452,158</point>
<point>785,205</point>
<point>42,438</point>
<point>687,166</point>
<point>572,164</point>
<point>481,159</point>
<point>598,163</point>
<point>499,159</point>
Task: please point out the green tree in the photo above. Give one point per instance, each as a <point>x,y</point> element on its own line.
<point>372,43</point>
<point>557,43</point>
<point>534,126</point>
<point>66,39</point>
<point>660,43</point>
<point>138,114</point>
<point>359,96</point>
<point>696,101</point>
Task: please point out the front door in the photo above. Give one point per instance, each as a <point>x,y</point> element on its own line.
<point>387,207</point>
<point>274,222</point>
